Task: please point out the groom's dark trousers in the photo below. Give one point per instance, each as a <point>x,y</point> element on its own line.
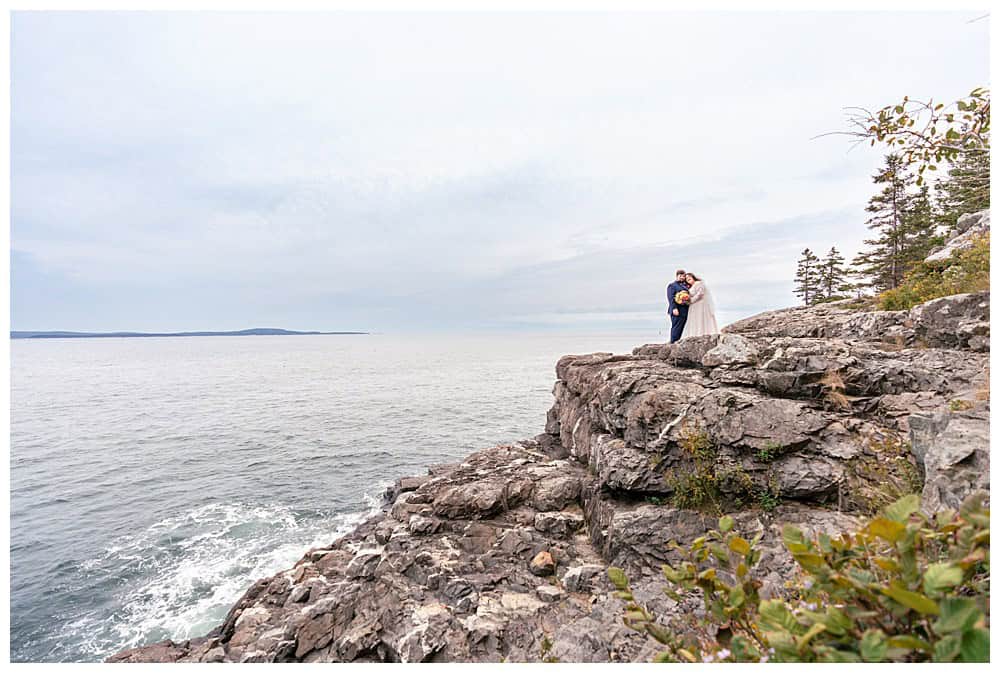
<point>676,321</point>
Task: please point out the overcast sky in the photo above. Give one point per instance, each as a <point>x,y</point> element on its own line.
<point>397,172</point>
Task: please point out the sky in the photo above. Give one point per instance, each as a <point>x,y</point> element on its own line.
<point>401,172</point>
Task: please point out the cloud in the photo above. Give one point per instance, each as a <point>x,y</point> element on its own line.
<point>395,171</point>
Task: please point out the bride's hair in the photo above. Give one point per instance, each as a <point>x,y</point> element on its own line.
<point>693,276</point>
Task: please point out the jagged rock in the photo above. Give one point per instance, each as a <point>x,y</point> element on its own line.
<point>810,406</point>
<point>581,578</point>
<point>317,554</point>
<point>363,564</point>
<point>953,448</point>
<point>958,321</point>
<point>543,564</point>
<point>558,524</point>
<point>555,490</point>
<point>423,525</point>
<point>580,642</point>
<point>549,593</point>
<point>731,349</point>
<point>299,594</point>
<point>969,227</point>
<point>216,654</point>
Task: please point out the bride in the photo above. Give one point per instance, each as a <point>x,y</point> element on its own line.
<point>701,315</point>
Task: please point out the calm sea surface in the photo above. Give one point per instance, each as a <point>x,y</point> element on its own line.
<point>153,480</point>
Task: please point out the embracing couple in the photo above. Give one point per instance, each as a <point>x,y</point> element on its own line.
<point>690,305</point>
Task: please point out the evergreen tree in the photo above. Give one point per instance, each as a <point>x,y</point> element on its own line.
<point>884,262</point>
<point>859,281</point>
<point>966,189</point>
<point>807,277</point>
<point>919,228</point>
<point>833,276</point>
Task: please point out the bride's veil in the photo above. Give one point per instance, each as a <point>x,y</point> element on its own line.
<point>709,301</point>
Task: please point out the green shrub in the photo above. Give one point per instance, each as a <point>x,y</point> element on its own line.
<point>769,452</point>
<point>960,405</point>
<point>707,487</point>
<point>904,587</point>
<point>698,487</point>
<point>967,271</point>
<point>767,498</point>
<point>883,472</point>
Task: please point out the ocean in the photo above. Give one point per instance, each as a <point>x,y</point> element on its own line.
<point>154,479</point>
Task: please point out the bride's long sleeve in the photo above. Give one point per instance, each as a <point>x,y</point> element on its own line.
<point>697,293</point>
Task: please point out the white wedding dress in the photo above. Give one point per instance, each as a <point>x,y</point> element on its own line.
<point>701,314</point>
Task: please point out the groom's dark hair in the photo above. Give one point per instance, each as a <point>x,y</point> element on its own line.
<point>679,272</point>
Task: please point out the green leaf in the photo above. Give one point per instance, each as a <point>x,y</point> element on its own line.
<point>726,524</point>
<point>972,504</point>
<point>910,643</point>
<point>947,649</point>
<point>840,657</point>
<point>636,616</point>
<point>777,616</point>
<point>687,656</point>
<point>910,599</point>
<point>813,631</point>
<point>720,554</point>
<point>810,561</point>
<point>618,578</point>
<point>873,645</point>
<point>792,535</point>
<point>670,573</point>
<point>957,615</point>
<point>659,633</point>
<point>886,564</point>
<point>887,529</point>
<point>941,576</point>
<point>739,545</point>
<point>836,621</point>
<point>737,596</point>
<point>976,645</point>
<point>901,510</point>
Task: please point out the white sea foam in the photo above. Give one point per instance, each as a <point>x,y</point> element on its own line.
<point>190,585</point>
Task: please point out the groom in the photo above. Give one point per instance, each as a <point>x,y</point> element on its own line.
<point>678,312</point>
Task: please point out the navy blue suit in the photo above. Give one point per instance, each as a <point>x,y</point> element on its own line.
<point>676,321</point>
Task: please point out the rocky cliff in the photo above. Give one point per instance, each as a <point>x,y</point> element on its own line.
<point>811,415</point>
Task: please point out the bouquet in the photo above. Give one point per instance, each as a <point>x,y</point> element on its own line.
<point>682,297</point>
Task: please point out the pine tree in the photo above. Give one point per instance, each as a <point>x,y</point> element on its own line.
<point>965,189</point>
<point>859,281</point>
<point>919,228</point>
<point>807,277</point>
<point>833,276</point>
<point>883,263</point>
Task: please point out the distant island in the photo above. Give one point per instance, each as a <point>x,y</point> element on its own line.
<point>256,331</point>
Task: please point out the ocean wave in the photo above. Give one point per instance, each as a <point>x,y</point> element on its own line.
<point>184,572</point>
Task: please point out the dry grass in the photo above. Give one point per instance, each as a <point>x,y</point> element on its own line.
<point>833,390</point>
<point>983,394</point>
<point>832,380</point>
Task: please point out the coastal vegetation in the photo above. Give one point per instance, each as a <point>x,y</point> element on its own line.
<point>911,215</point>
<point>966,270</point>
<point>904,587</point>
